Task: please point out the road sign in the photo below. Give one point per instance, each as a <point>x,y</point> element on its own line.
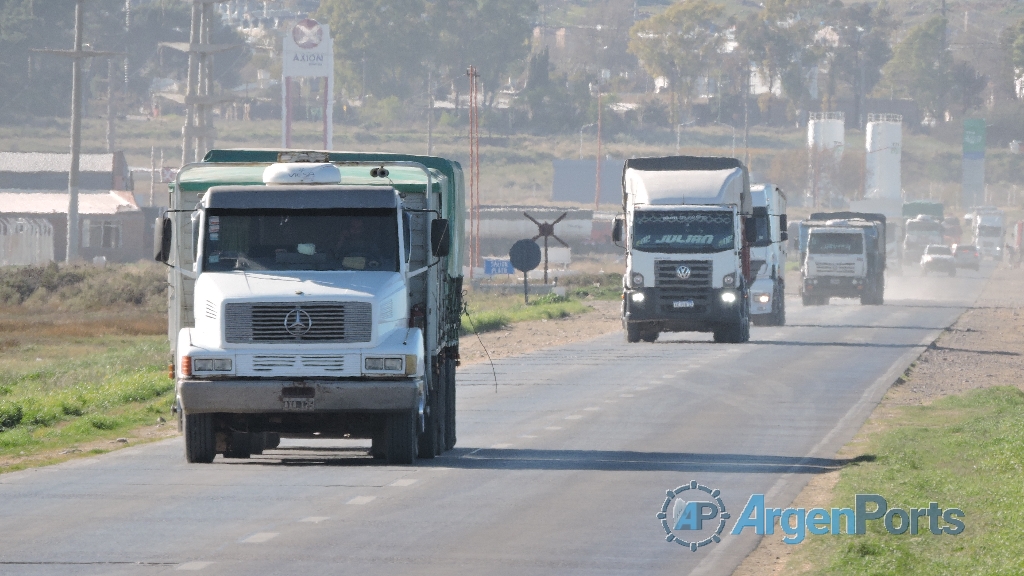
<point>525,255</point>
<point>494,266</point>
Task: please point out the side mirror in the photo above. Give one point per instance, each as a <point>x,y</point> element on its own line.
<point>750,230</point>
<point>783,223</point>
<point>162,239</point>
<point>617,229</point>
<point>783,236</point>
<point>440,238</point>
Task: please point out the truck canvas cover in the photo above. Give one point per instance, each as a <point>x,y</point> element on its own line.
<point>681,180</point>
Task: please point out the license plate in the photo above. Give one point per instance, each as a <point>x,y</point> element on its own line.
<point>298,404</point>
<point>683,304</point>
<point>835,281</point>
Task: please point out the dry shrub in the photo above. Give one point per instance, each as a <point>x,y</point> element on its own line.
<point>140,286</point>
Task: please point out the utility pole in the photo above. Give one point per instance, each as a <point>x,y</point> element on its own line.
<point>430,118</point>
<point>110,105</point>
<point>597,188</point>
<point>76,55</point>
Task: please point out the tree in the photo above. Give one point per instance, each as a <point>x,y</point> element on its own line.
<point>920,66</point>
<point>488,34</point>
<point>966,86</point>
<point>682,44</point>
<point>863,49</point>
<point>1012,41</point>
<point>379,47</point>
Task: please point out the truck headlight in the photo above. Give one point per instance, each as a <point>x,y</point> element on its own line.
<point>383,364</point>
<point>764,298</point>
<point>729,279</point>
<point>637,279</point>
<point>637,297</point>
<point>211,364</point>
<point>728,297</point>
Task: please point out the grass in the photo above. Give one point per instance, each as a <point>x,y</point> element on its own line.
<point>101,387</point>
<point>965,452</point>
<point>491,312</point>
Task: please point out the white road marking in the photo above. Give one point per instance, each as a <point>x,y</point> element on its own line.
<point>260,537</point>
<point>668,375</point>
<point>641,388</point>
<point>360,500</point>
<point>193,566</point>
<point>500,446</point>
<point>573,417</point>
<point>403,482</point>
<point>553,428</point>
<point>315,519</point>
<point>610,401</point>
<point>527,436</point>
<point>625,395</point>
<point>592,408</point>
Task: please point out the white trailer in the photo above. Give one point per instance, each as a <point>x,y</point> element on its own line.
<point>768,254</point>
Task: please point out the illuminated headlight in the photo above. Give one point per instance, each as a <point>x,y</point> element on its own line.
<point>729,279</point>
<point>637,297</point>
<point>211,364</point>
<point>383,364</point>
<point>764,298</point>
<point>728,297</point>
<point>638,280</point>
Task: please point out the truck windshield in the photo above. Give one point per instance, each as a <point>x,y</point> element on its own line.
<point>835,243</point>
<point>683,232</point>
<point>275,239</point>
<point>989,231</point>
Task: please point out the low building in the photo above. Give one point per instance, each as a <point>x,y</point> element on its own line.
<point>49,171</point>
<point>33,226</point>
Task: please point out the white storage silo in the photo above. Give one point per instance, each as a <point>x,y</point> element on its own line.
<point>882,175</point>
<point>826,131</point>
<point>826,137</point>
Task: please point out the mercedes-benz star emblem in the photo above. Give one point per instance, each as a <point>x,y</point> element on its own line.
<point>683,272</point>
<point>297,322</point>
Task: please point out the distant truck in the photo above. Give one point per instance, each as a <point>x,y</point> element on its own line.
<point>916,208</point>
<point>844,258</point>
<point>922,231</point>
<point>314,295</point>
<point>687,227</point>
<point>989,229</point>
<point>768,254</point>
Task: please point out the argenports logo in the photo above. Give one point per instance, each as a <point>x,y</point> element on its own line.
<point>690,511</point>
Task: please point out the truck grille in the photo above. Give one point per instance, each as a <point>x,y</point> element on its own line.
<point>671,288</point>
<point>313,322</point>
<point>834,268</point>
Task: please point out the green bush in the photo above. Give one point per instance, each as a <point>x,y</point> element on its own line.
<point>10,415</point>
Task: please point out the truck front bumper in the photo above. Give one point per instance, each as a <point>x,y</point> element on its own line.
<point>308,395</point>
<point>694,312</point>
<point>839,286</point>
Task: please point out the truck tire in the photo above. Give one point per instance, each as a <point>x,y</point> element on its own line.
<point>736,332</point>
<point>378,439</point>
<point>239,445</point>
<point>431,440</point>
<point>650,335</point>
<point>200,441</point>
<point>257,442</point>
<point>780,314</point>
<point>449,404</point>
<point>633,332</point>
<point>809,300</point>
<point>401,437</point>
<point>273,440</point>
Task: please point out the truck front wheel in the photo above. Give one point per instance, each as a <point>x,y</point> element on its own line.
<point>431,441</point>
<point>401,437</point>
<point>634,332</point>
<point>200,441</point>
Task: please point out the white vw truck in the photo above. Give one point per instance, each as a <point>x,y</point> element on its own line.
<point>768,253</point>
<point>314,294</point>
<point>685,225</point>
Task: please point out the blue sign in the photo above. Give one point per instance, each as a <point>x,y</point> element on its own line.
<point>494,266</point>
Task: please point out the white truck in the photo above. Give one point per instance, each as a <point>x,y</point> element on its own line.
<point>686,224</point>
<point>989,228</point>
<point>317,295</point>
<point>844,258</point>
<point>768,254</point>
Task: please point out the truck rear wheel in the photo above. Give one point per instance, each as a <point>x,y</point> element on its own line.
<point>401,437</point>
<point>200,441</point>
<point>240,445</point>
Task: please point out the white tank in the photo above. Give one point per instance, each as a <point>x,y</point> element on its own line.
<point>826,131</point>
<point>882,176</point>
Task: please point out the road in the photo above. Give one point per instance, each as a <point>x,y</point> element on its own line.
<point>560,469</point>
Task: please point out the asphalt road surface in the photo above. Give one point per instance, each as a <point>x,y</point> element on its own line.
<point>561,470</point>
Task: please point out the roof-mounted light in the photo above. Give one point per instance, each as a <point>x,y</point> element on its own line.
<point>302,173</point>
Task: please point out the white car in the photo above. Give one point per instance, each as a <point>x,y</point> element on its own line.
<point>938,258</point>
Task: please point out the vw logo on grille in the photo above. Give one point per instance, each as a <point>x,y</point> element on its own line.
<point>683,272</point>
<point>297,322</point>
